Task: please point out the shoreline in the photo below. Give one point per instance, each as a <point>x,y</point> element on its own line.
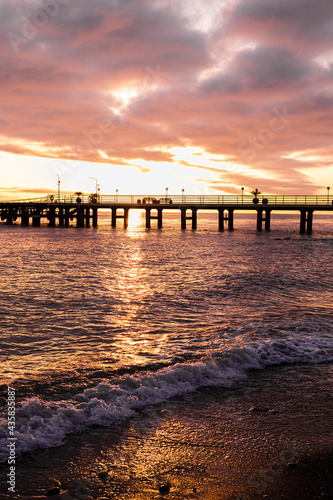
<point>267,438</point>
<point>307,476</point>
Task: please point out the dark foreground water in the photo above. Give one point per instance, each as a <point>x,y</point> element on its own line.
<point>102,326</point>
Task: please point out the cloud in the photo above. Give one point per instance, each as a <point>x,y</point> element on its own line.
<point>304,25</point>
<point>253,81</point>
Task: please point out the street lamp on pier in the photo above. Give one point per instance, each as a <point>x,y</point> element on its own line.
<point>328,194</point>
<point>242,194</point>
<point>183,191</point>
<point>166,195</point>
<point>59,182</point>
<point>117,195</point>
<point>97,187</point>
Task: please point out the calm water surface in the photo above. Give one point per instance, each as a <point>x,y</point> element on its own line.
<point>98,323</point>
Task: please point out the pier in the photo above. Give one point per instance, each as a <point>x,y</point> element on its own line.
<point>83,210</point>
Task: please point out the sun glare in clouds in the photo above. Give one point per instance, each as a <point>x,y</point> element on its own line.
<point>203,15</point>
<point>102,154</point>
<point>124,97</point>
<point>38,148</point>
<point>319,175</point>
<point>322,174</point>
<point>307,155</point>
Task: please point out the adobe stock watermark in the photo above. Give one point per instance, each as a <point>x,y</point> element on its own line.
<point>249,148</point>
<point>11,417</point>
<point>28,26</point>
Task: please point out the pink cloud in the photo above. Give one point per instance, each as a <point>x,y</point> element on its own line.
<point>253,87</point>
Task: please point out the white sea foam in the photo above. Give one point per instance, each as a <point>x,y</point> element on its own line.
<point>41,424</point>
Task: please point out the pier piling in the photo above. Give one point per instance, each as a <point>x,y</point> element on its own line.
<point>95,217</point>
<point>229,219</point>
<point>36,220</point>
<point>25,218</point>
<point>306,221</point>
<point>80,216</point>
<point>263,218</point>
<point>87,217</point>
<point>114,216</point>
<point>148,210</point>
<point>193,217</point>
<point>150,217</point>
<point>52,216</point>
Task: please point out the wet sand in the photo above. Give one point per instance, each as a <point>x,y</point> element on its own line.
<point>262,440</point>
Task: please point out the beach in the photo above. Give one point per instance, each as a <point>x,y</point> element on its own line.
<point>261,441</point>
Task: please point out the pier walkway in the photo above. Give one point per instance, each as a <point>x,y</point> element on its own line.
<point>83,210</point>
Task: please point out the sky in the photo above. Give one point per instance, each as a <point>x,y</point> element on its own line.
<point>203,95</point>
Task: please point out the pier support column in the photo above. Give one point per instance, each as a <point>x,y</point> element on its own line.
<point>310,220</point>
<point>67,217</point>
<point>183,218</point>
<point>126,211</point>
<point>61,216</point>
<point>150,217</point>
<point>259,219</point>
<point>51,216</point>
<point>148,210</point>
<point>113,217</point>
<point>9,220</point>
<point>267,220</point>
<point>159,218</point>
<point>194,218</point>
<point>87,217</point>
<point>94,217</point>
<point>303,221</point>
<point>306,221</point>
<point>80,217</point>
<point>25,218</point>
<point>228,218</point>
<point>36,220</point>
<point>221,219</point>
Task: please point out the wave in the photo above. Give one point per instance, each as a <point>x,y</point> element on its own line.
<point>45,424</point>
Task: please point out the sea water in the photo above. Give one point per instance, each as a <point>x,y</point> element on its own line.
<point>98,324</point>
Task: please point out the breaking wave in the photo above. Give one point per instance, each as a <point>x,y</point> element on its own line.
<point>45,424</point>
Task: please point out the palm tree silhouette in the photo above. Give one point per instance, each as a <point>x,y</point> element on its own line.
<point>78,194</point>
<point>256,192</point>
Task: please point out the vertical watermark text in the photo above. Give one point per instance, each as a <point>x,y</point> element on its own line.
<point>11,416</point>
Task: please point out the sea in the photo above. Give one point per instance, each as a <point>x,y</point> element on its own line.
<point>101,328</point>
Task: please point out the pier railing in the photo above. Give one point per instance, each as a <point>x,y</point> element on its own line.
<point>184,199</point>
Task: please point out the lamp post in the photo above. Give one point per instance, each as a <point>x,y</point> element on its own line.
<point>328,195</point>
<point>166,195</point>
<point>96,187</point>
<point>59,182</point>
<point>242,194</point>
<point>183,190</point>
<point>117,195</point>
